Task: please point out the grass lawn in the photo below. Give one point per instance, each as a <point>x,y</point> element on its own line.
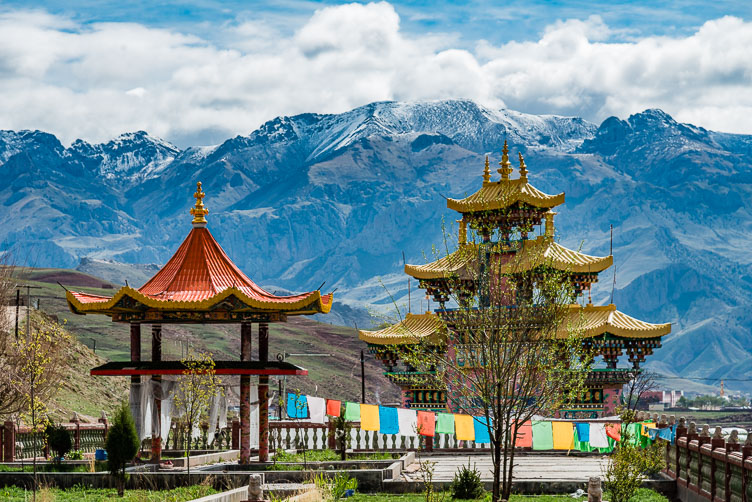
<point>76,494</point>
<point>643,495</point>
<point>332,456</point>
<point>99,466</point>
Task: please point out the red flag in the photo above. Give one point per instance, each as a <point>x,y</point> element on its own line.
<point>614,431</point>
<point>333,407</point>
<point>524,435</point>
<point>426,423</point>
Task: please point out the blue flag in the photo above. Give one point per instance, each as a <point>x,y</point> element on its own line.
<point>481,430</point>
<point>583,432</point>
<point>388,420</point>
<point>297,406</point>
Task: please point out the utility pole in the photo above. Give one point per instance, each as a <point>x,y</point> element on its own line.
<point>18,304</point>
<point>362,377</point>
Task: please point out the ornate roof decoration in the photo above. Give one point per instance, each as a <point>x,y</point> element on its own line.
<point>412,329</point>
<point>542,251</point>
<point>599,320</point>
<point>199,277</point>
<point>494,195</point>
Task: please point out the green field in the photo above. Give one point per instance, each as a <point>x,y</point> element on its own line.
<point>80,494</point>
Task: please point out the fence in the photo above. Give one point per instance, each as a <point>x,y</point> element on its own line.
<point>709,467</point>
<point>20,443</point>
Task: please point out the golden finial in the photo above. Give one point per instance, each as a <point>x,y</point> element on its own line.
<point>523,168</point>
<point>506,166</point>
<point>487,173</point>
<point>199,211</point>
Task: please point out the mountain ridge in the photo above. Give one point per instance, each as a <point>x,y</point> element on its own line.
<point>340,197</point>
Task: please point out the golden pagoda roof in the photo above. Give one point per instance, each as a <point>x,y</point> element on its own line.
<point>447,266</point>
<point>545,251</point>
<point>599,320</point>
<point>410,330</point>
<point>540,251</point>
<point>504,193</point>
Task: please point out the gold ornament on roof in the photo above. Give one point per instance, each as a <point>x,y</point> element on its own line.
<point>506,166</point>
<point>523,168</point>
<point>487,173</point>
<point>199,211</point>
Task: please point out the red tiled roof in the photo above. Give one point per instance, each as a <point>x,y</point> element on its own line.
<point>199,275</point>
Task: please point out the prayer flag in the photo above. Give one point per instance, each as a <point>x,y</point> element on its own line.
<point>646,427</point>
<point>613,431</point>
<point>598,437</point>
<point>543,438</point>
<point>388,420</point>
<point>317,409</point>
<point>369,417</point>
<point>583,431</point>
<point>333,407</point>
<point>352,412</point>
<point>297,406</point>
<point>463,427</point>
<point>426,423</point>
<point>446,424</point>
<point>480,424</point>
<point>524,435</point>
<point>408,422</point>
<point>563,435</point>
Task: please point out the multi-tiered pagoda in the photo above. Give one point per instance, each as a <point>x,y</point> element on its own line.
<point>510,209</point>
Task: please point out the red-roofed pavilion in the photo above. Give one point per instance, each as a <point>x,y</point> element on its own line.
<point>200,284</point>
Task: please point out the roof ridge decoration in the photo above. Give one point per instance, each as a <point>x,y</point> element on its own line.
<point>487,173</point>
<point>506,167</point>
<point>523,168</point>
<point>199,211</point>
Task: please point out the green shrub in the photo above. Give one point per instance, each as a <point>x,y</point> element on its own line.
<point>59,440</point>
<point>122,445</point>
<point>466,483</point>
<point>629,465</point>
<point>76,455</point>
<point>341,484</point>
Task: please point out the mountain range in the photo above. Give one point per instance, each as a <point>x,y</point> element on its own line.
<point>340,197</point>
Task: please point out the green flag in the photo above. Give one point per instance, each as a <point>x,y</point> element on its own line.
<point>352,412</point>
<point>445,424</point>
<point>543,435</point>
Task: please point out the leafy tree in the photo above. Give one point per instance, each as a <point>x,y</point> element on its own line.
<point>196,387</point>
<point>629,464</point>
<point>510,349</point>
<point>59,440</point>
<point>122,444</point>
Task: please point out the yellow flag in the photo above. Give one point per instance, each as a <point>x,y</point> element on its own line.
<point>369,417</point>
<point>463,427</point>
<point>563,435</point>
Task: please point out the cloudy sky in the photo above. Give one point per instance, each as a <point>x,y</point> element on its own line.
<point>198,72</point>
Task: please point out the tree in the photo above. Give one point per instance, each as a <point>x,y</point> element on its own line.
<point>511,348</point>
<point>59,440</point>
<point>122,444</point>
<point>196,387</point>
<point>642,382</point>
<point>37,362</point>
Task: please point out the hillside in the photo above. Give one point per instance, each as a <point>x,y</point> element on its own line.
<point>339,198</point>
<point>337,376</point>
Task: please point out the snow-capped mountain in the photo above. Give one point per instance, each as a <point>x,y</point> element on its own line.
<point>338,198</point>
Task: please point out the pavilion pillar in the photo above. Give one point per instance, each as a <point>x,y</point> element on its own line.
<point>135,394</point>
<point>156,423</point>
<point>246,331</point>
<point>263,394</point>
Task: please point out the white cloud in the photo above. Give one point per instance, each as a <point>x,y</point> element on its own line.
<point>96,81</point>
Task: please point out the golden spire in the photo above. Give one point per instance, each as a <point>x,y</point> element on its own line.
<point>523,168</point>
<point>486,173</point>
<point>506,166</point>
<point>199,211</point>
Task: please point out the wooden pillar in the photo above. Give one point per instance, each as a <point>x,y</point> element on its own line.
<point>9,441</point>
<point>135,394</point>
<point>246,331</point>
<point>263,394</point>
<point>156,425</point>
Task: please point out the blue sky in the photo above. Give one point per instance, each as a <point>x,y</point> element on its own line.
<point>197,72</point>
